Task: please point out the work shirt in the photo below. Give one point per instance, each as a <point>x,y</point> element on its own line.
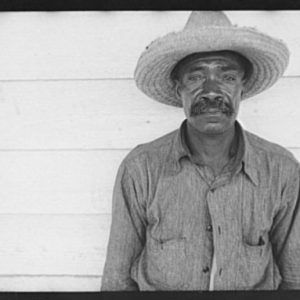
<point>169,218</point>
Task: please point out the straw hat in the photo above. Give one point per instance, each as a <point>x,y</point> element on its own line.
<point>209,31</point>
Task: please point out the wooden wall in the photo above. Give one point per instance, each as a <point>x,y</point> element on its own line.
<point>70,112</point>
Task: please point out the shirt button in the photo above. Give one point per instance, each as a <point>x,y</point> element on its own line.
<point>209,228</point>
<point>205,270</point>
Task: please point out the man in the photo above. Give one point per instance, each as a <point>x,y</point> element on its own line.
<point>209,206</point>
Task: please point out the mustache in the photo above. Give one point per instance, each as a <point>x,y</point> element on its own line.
<point>204,104</point>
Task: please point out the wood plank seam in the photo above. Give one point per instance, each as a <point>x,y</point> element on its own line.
<point>63,149</point>
<point>92,79</point>
<point>51,275</point>
<point>57,214</point>
<point>86,149</point>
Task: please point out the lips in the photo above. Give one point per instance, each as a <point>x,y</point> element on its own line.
<point>213,115</point>
<point>213,111</point>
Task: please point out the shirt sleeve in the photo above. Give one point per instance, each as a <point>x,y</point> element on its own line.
<point>285,234</point>
<point>127,233</point>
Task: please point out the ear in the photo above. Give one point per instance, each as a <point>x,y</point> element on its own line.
<point>243,87</point>
<point>177,87</point>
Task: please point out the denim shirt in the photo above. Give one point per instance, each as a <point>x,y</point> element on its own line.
<point>168,218</point>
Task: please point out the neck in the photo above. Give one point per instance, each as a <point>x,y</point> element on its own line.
<point>212,150</point>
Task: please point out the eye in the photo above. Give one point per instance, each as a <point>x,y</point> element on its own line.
<point>195,77</point>
<point>230,77</point>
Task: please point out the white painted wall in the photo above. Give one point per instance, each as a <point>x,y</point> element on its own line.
<point>70,112</point>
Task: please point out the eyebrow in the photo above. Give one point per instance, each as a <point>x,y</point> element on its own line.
<point>196,69</point>
<point>227,68</point>
<point>223,68</point>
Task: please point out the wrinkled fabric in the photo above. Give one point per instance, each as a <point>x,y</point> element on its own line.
<point>170,215</point>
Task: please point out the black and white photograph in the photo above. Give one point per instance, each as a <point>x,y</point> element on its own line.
<point>149,150</point>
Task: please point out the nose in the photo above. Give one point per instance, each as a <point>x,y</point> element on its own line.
<point>211,91</point>
<point>212,96</point>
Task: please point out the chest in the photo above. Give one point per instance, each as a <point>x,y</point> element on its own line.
<point>186,204</point>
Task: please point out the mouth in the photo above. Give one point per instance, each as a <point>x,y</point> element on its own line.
<point>209,112</point>
<point>213,115</point>
<point>212,108</point>
<point>213,111</point>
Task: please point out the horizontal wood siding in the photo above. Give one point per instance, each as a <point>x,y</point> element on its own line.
<point>49,283</point>
<point>49,244</point>
<point>113,114</point>
<point>58,182</point>
<point>43,45</point>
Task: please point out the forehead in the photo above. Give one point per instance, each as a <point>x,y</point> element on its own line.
<point>227,60</point>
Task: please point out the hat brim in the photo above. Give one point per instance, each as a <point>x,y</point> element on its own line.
<point>269,58</point>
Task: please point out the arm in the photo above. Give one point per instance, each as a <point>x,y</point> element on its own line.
<point>285,234</point>
<point>127,232</point>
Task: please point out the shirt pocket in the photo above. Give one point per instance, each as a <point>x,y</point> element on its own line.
<point>256,217</point>
<point>254,253</point>
<point>167,264</point>
<point>254,261</point>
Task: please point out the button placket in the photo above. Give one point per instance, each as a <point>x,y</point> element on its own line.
<point>209,228</point>
<point>210,198</point>
<point>211,202</point>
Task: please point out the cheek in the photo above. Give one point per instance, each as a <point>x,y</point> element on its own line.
<point>186,103</point>
<point>192,88</point>
<point>236,98</point>
<point>186,98</point>
<point>233,91</point>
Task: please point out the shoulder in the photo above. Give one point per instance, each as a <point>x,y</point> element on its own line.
<point>154,152</point>
<point>272,153</point>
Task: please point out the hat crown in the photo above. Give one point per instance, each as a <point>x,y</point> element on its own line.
<point>200,19</point>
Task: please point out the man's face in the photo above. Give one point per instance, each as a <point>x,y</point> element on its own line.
<point>210,86</point>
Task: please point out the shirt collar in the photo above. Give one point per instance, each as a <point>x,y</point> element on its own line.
<point>251,161</point>
<point>246,152</point>
<point>181,149</point>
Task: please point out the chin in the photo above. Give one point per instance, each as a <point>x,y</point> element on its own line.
<point>211,128</point>
<point>214,128</point>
